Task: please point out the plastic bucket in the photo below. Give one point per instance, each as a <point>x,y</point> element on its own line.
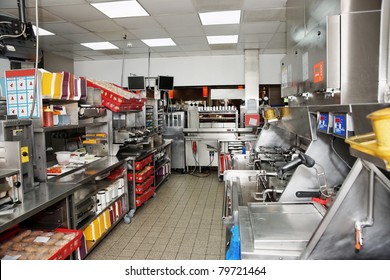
<point>381,124</point>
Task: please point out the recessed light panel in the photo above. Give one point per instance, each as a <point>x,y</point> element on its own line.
<point>215,18</point>
<point>162,42</point>
<point>100,46</point>
<point>121,9</point>
<point>42,32</point>
<point>226,39</point>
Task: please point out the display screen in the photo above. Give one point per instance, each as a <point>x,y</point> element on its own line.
<point>339,127</point>
<point>323,122</point>
<point>165,83</point>
<point>136,82</point>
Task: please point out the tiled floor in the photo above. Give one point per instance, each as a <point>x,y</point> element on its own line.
<point>182,222</point>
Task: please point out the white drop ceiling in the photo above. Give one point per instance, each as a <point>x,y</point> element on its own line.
<point>262,26</point>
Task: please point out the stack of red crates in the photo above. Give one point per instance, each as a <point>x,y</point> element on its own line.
<point>144,179</point>
<point>117,103</point>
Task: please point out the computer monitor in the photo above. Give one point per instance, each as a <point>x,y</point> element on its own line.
<point>165,83</point>
<point>136,83</point>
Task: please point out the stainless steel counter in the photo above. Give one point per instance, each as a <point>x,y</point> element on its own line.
<point>47,194</point>
<point>93,169</point>
<point>35,201</point>
<point>139,154</point>
<point>218,130</point>
<point>277,230</point>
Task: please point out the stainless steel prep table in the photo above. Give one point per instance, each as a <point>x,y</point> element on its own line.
<point>47,194</point>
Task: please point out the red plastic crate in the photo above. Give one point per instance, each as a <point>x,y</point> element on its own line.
<point>61,253</point>
<point>144,197</point>
<point>141,188</point>
<point>144,174</point>
<point>120,108</point>
<point>141,175</point>
<point>142,163</point>
<point>117,173</point>
<point>106,88</point>
<point>70,247</point>
<point>118,100</point>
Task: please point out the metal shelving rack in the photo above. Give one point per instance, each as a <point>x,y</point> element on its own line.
<point>162,164</point>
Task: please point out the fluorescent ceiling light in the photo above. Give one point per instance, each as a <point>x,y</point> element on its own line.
<point>42,32</point>
<point>100,46</point>
<point>228,39</point>
<point>214,18</point>
<point>121,9</point>
<point>163,42</point>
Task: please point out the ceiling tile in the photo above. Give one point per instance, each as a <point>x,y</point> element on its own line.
<point>167,7</point>
<point>53,40</point>
<point>254,45</point>
<point>115,35</point>
<point>150,33</point>
<point>83,38</point>
<point>211,6</point>
<point>69,47</point>
<point>112,52</point>
<point>199,47</point>
<point>70,55</point>
<point>223,47</point>
<point>255,38</point>
<point>166,49</point>
<point>260,27</point>
<point>137,23</point>
<point>77,13</point>
<point>263,4</point>
<point>76,21</point>
<point>88,52</point>
<point>46,3</point>
<point>43,15</point>
<point>101,25</point>
<point>191,40</point>
<point>198,53</point>
<point>63,28</point>
<point>82,58</point>
<point>99,57</point>
<point>214,30</point>
<point>264,15</point>
<point>185,31</point>
<point>144,49</point>
<point>184,20</point>
<point>124,43</point>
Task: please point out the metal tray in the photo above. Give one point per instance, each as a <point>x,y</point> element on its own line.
<point>282,226</point>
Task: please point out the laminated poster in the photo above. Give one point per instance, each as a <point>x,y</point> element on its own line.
<point>19,86</point>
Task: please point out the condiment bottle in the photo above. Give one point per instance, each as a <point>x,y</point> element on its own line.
<point>48,117</point>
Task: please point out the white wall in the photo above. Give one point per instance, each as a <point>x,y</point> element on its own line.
<point>188,71</point>
<point>270,68</point>
<point>56,63</point>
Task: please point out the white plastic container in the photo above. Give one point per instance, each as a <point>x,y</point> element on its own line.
<point>101,197</point>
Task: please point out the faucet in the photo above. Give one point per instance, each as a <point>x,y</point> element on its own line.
<point>301,159</point>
